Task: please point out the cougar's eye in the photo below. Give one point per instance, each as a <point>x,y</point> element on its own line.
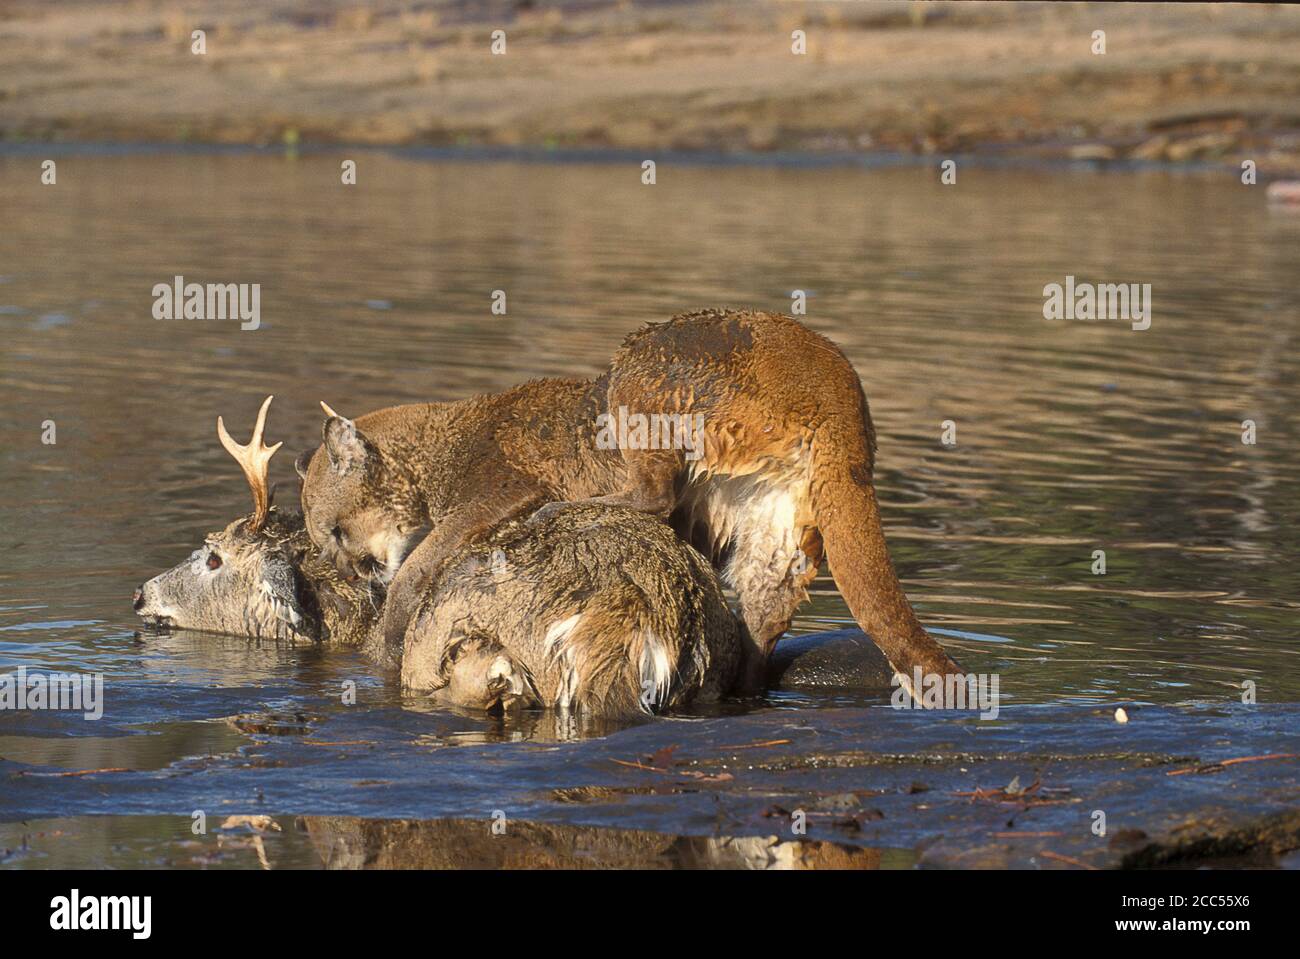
<point>214,561</point>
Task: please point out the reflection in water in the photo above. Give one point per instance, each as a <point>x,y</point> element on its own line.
<point>345,842</point>
<point>349,843</point>
<point>522,726</point>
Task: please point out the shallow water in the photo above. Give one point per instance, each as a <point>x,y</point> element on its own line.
<point>1072,436</point>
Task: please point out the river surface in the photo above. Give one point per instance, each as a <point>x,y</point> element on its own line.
<point>1071,437</point>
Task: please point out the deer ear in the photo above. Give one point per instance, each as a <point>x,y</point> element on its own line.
<point>346,445</point>
<point>302,462</point>
<point>278,588</point>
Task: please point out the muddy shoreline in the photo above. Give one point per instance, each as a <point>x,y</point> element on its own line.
<point>1178,787</point>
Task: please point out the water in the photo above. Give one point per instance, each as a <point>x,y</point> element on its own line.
<point>1072,436</point>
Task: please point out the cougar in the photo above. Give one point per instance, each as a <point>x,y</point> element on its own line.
<point>772,473</point>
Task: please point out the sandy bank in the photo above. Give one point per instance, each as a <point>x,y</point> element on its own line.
<point>1181,83</point>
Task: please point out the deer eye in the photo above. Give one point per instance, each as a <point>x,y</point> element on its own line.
<point>214,561</point>
<point>337,533</point>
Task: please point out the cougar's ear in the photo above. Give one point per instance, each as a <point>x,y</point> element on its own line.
<point>302,462</point>
<point>346,445</point>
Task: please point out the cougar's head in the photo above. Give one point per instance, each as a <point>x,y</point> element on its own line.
<point>352,500</point>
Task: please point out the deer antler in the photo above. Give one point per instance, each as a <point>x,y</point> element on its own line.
<point>255,459</point>
<point>328,411</point>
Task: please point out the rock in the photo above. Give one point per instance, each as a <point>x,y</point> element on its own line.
<point>1091,151</point>
<point>1153,149</point>
<point>842,658</point>
<point>1284,191</point>
<point>1209,144</point>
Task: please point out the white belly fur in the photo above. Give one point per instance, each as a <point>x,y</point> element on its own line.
<point>762,515</point>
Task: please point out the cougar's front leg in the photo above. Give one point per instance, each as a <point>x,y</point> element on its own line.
<point>413,578</point>
<point>450,533</point>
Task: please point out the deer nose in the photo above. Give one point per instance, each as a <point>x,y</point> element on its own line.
<point>137,599</point>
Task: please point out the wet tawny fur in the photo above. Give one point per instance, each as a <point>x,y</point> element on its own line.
<point>784,478</point>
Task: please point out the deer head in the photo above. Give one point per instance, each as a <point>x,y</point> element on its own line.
<point>244,579</point>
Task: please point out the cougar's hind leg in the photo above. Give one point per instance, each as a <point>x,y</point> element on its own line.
<point>651,486</point>
<point>651,482</point>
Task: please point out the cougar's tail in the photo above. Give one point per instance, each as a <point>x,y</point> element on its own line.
<point>844,506</point>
